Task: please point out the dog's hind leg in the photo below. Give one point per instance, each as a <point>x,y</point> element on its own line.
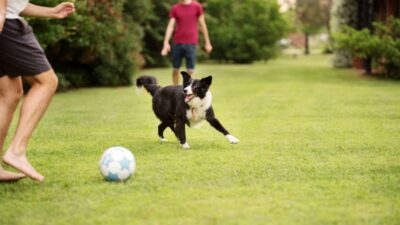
<point>161,129</point>
<point>171,126</point>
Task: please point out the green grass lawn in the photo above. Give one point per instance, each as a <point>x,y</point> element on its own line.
<point>318,146</point>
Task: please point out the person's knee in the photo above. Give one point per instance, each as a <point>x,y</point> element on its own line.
<point>190,71</point>
<point>12,97</point>
<point>53,82</point>
<point>175,72</point>
<point>49,80</point>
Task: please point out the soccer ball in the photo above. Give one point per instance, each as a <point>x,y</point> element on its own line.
<point>117,164</point>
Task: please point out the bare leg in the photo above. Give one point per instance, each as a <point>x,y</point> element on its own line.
<point>175,76</point>
<point>10,94</point>
<point>35,104</point>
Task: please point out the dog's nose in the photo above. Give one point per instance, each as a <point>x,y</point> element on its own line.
<point>185,91</point>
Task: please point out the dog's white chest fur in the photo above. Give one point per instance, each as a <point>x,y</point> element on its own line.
<point>197,111</point>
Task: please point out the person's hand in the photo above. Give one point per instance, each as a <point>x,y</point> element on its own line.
<point>2,21</point>
<point>63,10</point>
<point>208,48</point>
<point>166,49</point>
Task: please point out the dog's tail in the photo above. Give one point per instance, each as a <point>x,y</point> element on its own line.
<point>149,83</point>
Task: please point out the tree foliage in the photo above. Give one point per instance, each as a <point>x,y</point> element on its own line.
<point>154,30</point>
<point>100,44</point>
<point>95,46</point>
<point>312,16</point>
<point>344,14</point>
<point>244,31</point>
<point>383,45</point>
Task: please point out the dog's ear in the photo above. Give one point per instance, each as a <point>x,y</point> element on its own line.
<point>185,76</point>
<point>206,81</point>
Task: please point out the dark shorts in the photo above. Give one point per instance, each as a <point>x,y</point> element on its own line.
<point>20,52</point>
<point>187,51</point>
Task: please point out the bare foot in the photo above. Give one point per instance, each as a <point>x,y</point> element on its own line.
<point>6,176</point>
<point>21,163</point>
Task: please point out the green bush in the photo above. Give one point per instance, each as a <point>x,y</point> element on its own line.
<point>98,45</point>
<point>382,45</point>
<point>154,30</point>
<point>244,31</point>
<point>95,46</point>
<point>240,31</point>
<point>344,14</point>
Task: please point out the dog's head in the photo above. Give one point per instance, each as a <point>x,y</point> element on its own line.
<point>193,88</point>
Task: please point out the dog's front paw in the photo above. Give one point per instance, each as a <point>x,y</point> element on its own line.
<point>232,139</point>
<point>185,146</point>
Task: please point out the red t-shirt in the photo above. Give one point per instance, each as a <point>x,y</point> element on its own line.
<point>186,17</point>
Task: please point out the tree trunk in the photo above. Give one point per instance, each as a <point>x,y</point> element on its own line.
<point>365,19</point>
<point>368,65</point>
<point>307,46</point>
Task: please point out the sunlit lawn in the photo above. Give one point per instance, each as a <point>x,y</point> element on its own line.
<point>318,146</point>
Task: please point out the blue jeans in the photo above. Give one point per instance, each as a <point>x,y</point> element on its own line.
<point>187,51</point>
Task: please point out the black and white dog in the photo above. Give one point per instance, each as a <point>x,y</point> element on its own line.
<point>178,105</point>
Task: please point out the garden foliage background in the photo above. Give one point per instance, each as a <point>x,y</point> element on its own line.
<point>103,43</point>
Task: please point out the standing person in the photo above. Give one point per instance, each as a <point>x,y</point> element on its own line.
<point>21,57</point>
<point>185,14</point>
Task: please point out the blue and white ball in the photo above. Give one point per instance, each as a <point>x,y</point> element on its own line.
<point>117,164</point>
